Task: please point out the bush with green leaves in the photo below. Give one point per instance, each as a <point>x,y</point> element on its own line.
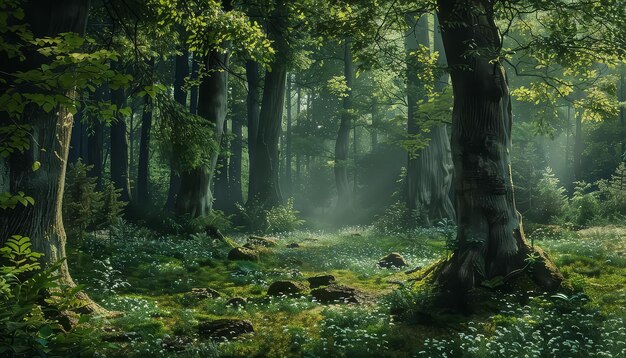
<point>549,199</point>
<point>584,205</point>
<point>112,206</point>
<point>81,203</point>
<point>613,195</point>
<point>282,218</point>
<point>397,217</point>
<point>34,307</point>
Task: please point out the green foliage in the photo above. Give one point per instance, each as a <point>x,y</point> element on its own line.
<point>584,205</point>
<point>112,206</point>
<point>613,195</point>
<point>398,218</point>
<point>81,201</point>
<point>549,199</point>
<point>282,218</point>
<point>33,306</point>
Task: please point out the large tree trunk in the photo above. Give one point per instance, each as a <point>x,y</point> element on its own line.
<point>181,71</point>
<point>195,197</point>
<point>119,147</point>
<point>51,133</point>
<point>429,174</point>
<point>253,104</point>
<point>490,237</point>
<point>144,149</point>
<point>266,184</point>
<point>344,194</point>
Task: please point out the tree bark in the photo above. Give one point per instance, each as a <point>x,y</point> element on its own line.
<point>253,104</point>
<point>429,171</point>
<point>266,184</point>
<point>143,173</point>
<point>344,193</point>
<point>579,146</point>
<point>490,238</point>
<point>95,140</point>
<point>181,71</point>
<point>119,147</point>
<point>51,133</point>
<point>288,143</point>
<point>195,197</point>
<point>234,164</point>
<point>221,190</point>
<point>193,93</point>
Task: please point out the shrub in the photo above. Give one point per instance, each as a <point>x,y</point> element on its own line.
<point>584,205</point>
<point>397,217</point>
<point>613,194</point>
<point>112,206</point>
<point>281,218</point>
<point>549,199</point>
<point>33,307</point>
<point>81,203</point>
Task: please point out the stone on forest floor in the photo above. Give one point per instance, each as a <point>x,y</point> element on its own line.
<point>262,241</point>
<point>338,294</point>
<point>243,254</point>
<point>285,288</point>
<point>394,259</point>
<point>224,329</point>
<point>236,302</point>
<point>200,293</point>
<point>293,245</point>
<point>323,280</point>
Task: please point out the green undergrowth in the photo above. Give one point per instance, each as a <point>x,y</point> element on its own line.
<point>148,280</point>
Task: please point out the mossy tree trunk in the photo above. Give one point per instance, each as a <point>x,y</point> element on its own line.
<point>51,133</point>
<point>490,238</point>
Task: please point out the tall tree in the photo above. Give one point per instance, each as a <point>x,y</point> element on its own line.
<point>253,105</point>
<point>490,237</point>
<point>51,130</point>
<point>288,139</point>
<point>344,193</point>
<point>120,175</point>
<point>143,173</point>
<point>266,185</point>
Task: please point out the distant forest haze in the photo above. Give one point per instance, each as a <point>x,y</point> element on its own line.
<point>382,178</point>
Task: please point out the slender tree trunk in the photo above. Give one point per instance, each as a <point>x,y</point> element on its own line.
<point>288,144</point>
<point>373,128</point>
<point>344,194</point>
<point>195,197</point>
<point>253,105</point>
<point>298,155</point>
<point>193,95</point>
<point>119,147</point>
<point>622,110</point>
<point>579,146</point>
<point>234,164</point>
<point>180,95</point>
<point>51,133</point>
<point>490,238</point>
<point>143,174</point>
<point>221,190</point>
<point>95,140</point>
<point>78,142</point>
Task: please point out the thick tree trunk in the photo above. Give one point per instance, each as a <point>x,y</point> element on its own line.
<point>144,150</point>
<point>266,184</point>
<point>429,174</point>
<point>119,147</point>
<point>253,104</point>
<point>195,197</point>
<point>51,133</point>
<point>181,71</point>
<point>344,194</point>
<point>490,237</point>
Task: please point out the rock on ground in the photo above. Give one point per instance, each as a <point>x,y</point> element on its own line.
<point>338,294</point>
<point>224,329</point>
<point>262,241</point>
<point>285,288</point>
<point>243,254</point>
<point>394,259</point>
<point>323,280</point>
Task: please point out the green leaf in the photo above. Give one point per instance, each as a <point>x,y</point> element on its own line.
<point>36,165</point>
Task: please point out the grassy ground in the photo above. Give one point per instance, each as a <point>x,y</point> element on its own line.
<point>148,279</point>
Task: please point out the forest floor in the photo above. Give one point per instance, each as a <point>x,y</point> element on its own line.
<point>166,290</point>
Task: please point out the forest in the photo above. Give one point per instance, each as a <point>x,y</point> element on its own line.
<point>313,178</point>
